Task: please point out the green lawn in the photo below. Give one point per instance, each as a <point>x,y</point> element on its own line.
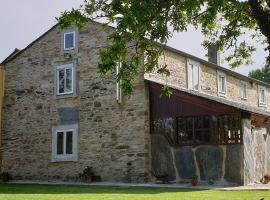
<point>60,192</point>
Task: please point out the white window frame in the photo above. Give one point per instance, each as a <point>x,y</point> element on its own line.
<point>74,42</point>
<point>241,92</point>
<point>118,84</point>
<point>190,74</point>
<point>64,156</point>
<point>222,93</point>
<point>261,103</point>
<point>65,66</point>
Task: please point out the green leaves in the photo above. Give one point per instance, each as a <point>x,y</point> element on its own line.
<point>140,24</point>
<point>72,18</point>
<point>261,74</point>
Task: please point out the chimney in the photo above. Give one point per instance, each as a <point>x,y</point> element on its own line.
<point>213,55</point>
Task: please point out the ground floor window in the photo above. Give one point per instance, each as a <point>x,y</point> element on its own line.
<point>199,130</point>
<point>64,143</point>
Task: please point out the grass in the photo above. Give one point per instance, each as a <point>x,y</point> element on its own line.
<point>64,192</point>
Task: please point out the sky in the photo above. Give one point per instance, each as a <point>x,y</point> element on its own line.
<point>22,22</point>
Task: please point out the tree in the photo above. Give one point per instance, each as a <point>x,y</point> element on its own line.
<point>261,74</point>
<point>150,21</point>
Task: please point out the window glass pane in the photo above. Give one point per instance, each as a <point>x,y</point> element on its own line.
<point>185,130</point>
<point>262,95</point>
<point>60,141</point>
<point>69,41</point>
<point>222,83</point>
<point>165,126</point>
<point>69,138</point>
<point>202,136</point>
<point>68,80</point>
<point>61,81</point>
<point>185,136</point>
<point>195,77</point>
<point>243,90</point>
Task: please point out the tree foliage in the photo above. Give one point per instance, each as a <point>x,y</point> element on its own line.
<point>262,74</point>
<point>141,24</point>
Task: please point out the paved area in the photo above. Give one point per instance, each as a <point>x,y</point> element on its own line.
<point>216,186</point>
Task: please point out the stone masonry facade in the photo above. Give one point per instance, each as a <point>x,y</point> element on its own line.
<point>177,64</point>
<point>113,138</point>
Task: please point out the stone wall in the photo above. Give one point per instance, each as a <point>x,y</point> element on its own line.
<point>208,162</point>
<point>112,138</point>
<point>256,152</point>
<point>208,80</point>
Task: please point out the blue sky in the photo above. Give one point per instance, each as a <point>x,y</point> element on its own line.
<point>22,22</point>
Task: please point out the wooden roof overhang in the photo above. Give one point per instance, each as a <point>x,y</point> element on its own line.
<point>184,104</point>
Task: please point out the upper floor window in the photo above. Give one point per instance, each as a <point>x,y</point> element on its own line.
<point>222,84</point>
<point>65,79</point>
<point>69,40</point>
<point>64,143</point>
<point>193,69</point>
<point>262,96</point>
<point>243,89</point>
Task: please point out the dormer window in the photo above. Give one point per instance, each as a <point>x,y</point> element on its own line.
<point>69,41</point>
<point>262,96</point>
<point>222,84</point>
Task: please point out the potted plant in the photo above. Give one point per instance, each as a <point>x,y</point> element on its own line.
<point>194,180</point>
<point>87,174</point>
<point>5,176</point>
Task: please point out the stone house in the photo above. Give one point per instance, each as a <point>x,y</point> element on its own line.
<point>60,116</point>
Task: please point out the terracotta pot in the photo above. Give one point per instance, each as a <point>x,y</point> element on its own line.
<point>194,182</point>
<point>88,179</point>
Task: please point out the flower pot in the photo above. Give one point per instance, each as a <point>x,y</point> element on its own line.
<point>194,182</point>
<point>88,179</point>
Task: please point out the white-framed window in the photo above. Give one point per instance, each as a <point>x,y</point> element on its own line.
<point>243,89</point>
<point>64,143</point>
<point>222,84</point>
<point>118,84</point>
<point>65,79</point>
<point>193,71</point>
<point>69,40</point>
<point>262,95</point>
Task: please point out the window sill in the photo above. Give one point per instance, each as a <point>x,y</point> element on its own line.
<point>64,96</point>
<point>263,105</point>
<point>244,99</point>
<point>68,49</point>
<point>221,94</point>
<point>65,159</point>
